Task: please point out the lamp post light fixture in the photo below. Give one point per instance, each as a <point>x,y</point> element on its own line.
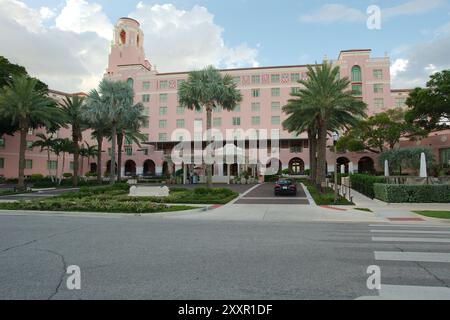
<point>335,139</point>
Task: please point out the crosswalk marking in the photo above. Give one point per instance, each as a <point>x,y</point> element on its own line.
<point>412,239</point>
<point>412,256</point>
<point>398,292</point>
<point>411,231</point>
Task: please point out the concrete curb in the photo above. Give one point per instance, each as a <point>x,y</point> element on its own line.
<point>308,196</point>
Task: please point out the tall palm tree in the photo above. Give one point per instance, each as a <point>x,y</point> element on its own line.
<point>88,152</point>
<point>45,143</point>
<point>324,104</point>
<point>72,108</point>
<point>129,127</point>
<point>29,107</point>
<point>63,146</point>
<point>208,89</point>
<point>114,97</point>
<point>95,114</point>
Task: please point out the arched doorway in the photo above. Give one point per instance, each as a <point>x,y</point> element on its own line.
<point>93,167</point>
<point>297,166</point>
<point>166,169</point>
<point>366,165</point>
<point>108,167</point>
<point>130,168</point>
<point>149,168</point>
<point>342,161</point>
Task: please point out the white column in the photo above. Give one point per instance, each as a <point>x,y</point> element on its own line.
<point>139,170</point>
<point>220,170</point>
<point>350,168</point>
<point>158,171</point>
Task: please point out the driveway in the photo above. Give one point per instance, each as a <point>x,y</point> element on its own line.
<point>264,194</point>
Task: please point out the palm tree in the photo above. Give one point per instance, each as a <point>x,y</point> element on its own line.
<point>73,113</point>
<point>87,152</point>
<point>47,144</point>
<point>324,104</point>
<point>25,104</point>
<point>63,146</point>
<point>129,127</point>
<point>95,114</point>
<point>114,98</point>
<point>208,89</point>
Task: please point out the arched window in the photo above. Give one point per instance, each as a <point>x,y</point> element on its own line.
<point>130,82</point>
<point>356,74</point>
<point>123,37</point>
<point>138,40</point>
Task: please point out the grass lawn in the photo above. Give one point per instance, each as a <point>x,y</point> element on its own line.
<point>115,199</point>
<point>326,198</point>
<point>435,214</point>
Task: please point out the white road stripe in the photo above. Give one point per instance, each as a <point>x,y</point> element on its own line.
<point>396,292</point>
<point>412,256</point>
<point>395,239</point>
<point>411,231</point>
<point>409,226</point>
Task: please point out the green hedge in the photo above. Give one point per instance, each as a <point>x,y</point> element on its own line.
<point>364,183</point>
<point>403,193</point>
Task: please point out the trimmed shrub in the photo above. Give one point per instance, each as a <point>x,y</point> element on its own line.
<point>36,177</point>
<point>364,183</point>
<point>403,193</point>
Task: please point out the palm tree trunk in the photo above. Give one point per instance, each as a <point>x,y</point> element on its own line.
<point>76,157</point>
<point>312,154</point>
<point>23,145</point>
<point>99,158</point>
<point>63,167</point>
<point>119,155</point>
<point>112,174</point>
<point>48,164</point>
<point>321,155</point>
<point>82,166</point>
<point>209,167</point>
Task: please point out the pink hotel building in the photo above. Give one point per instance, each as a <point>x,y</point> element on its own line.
<point>265,90</point>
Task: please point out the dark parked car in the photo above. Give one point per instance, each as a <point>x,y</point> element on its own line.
<point>285,186</point>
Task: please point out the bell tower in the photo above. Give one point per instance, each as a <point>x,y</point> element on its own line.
<point>127,46</point>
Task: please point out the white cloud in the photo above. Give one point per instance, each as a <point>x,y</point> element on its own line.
<point>179,40</point>
<point>46,13</point>
<point>65,60</point>
<point>415,63</point>
<point>80,16</point>
<point>330,13</point>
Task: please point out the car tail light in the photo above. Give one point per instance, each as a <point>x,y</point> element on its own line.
<point>277,186</point>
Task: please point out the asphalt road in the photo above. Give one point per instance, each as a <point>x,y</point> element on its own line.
<point>264,194</point>
<point>162,258</point>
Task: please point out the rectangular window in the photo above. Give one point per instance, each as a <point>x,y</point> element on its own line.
<point>378,88</point>
<point>296,149</point>
<point>28,164</point>
<point>163,84</point>
<point>295,90</point>
<point>2,163</point>
<point>146,111</point>
<point>275,78</point>
<point>295,77</point>
<point>237,108</point>
<point>236,121</point>
<point>357,90</point>
<point>444,157</point>
<point>162,111</point>
<point>30,131</point>
<point>379,103</point>
<point>256,93</point>
<point>256,121</point>
<point>276,106</point>
<point>256,107</point>
<point>256,79</point>
<point>400,102</point>
<point>2,142</point>
<point>146,137</point>
<point>217,122</point>
<point>180,110</point>
<point>129,151</point>
<point>128,140</point>
<point>162,124</point>
<point>52,165</point>
<point>30,145</point>
<point>145,122</point>
<point>162,137</point>
<point>145,98</point>
<point>180,123</point>
<point>146,85</point>
<point>275,120</point>
<point>163,97</point>
<point>180,82</point>
<point>378,74</point>
<point>275,92</point>
<point>237,80</point>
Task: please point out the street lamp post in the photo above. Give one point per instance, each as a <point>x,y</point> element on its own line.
<point>335,139</point>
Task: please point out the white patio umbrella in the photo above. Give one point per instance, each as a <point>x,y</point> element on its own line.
<point>423,166</point>
<point>386,168</point>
